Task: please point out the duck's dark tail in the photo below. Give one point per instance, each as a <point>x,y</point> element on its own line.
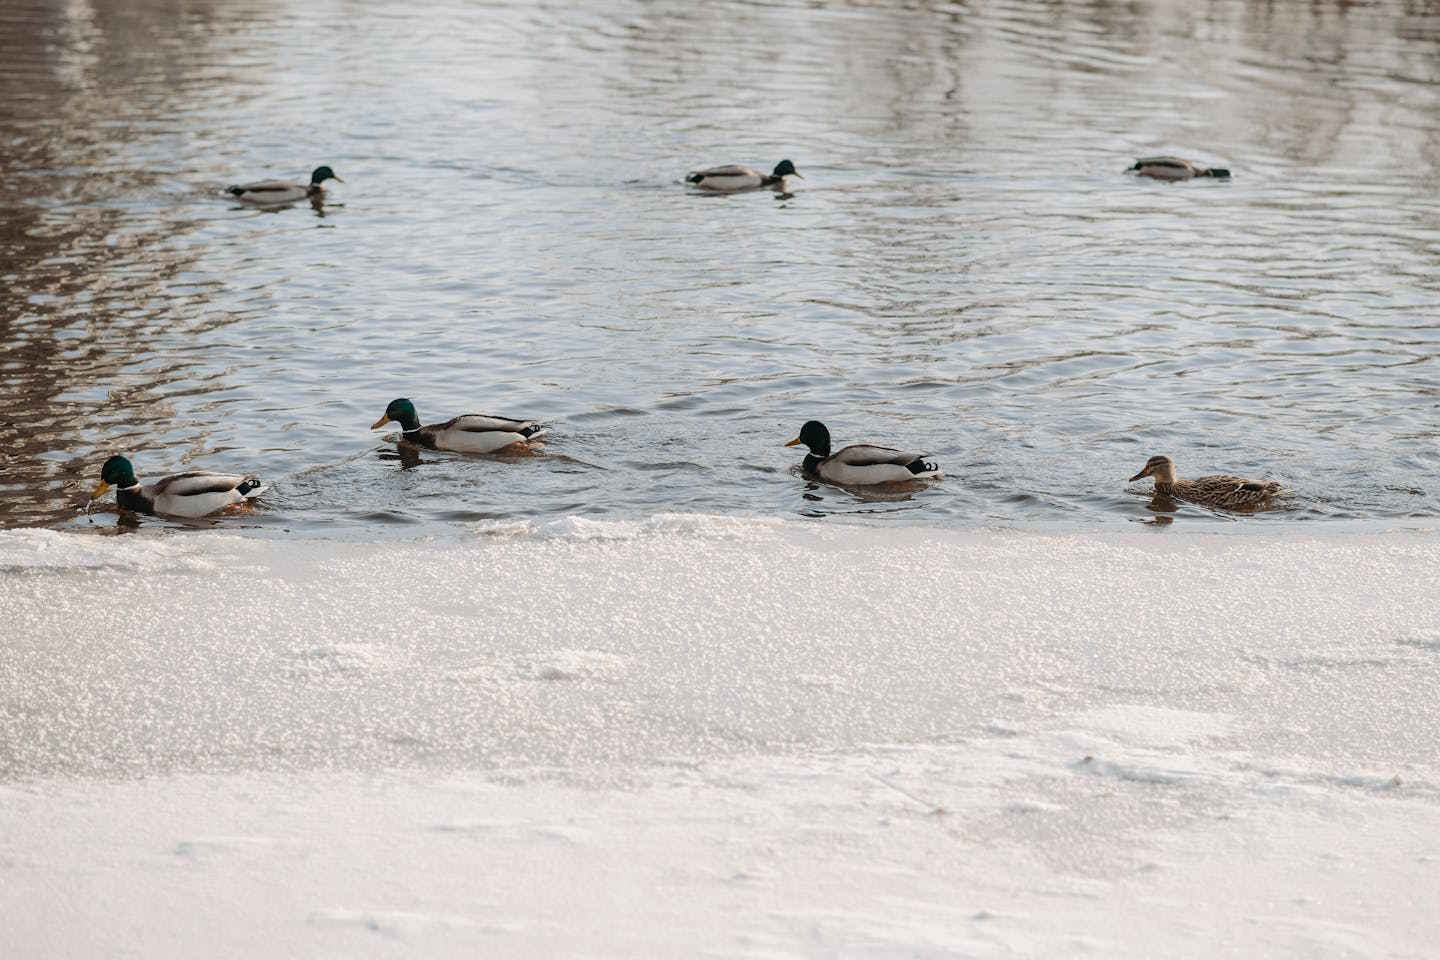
<point>250,487</point>
<point>237,191</point>
<point>695,178</point>
<point>1218,172</point>
<point>923,467</point>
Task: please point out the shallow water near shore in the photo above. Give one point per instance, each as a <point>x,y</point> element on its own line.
<point>964,269</point>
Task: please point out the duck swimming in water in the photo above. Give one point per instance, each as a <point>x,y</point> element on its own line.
<point>1221,491</point>
<point>735,177</point>
<point>183,495</point>
<point>1174,168</point>
<point>860,464</point>
<point>275,192</point>
<point>468,433</point>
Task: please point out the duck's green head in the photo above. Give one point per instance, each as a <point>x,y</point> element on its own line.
<point>815,436</point>
<point>786,169</point>
<point>322,174</point>
<point>118,472</point>
<point>399,411</point>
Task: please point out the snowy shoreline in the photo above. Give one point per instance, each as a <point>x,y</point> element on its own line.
<point>738,737</point>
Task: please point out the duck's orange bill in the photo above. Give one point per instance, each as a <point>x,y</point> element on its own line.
<point>380,423</point>
<point>793,442</point>
<point>100,490</point>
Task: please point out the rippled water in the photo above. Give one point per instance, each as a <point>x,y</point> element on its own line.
<point>964,269</point>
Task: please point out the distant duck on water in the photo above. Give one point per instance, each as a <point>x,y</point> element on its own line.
<point>182,495</point>
<point>1174,168</point>
<point>1221,491</point>
<point>735,177</point>
<point>860,464</point>
<point>276,192</point>
<point>468,433</point>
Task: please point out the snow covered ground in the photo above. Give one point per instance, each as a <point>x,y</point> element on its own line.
<point>702,736</point>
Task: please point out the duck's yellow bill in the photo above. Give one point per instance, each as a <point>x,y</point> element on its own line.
<point>793,442</point>
<point>100,490</point>
<point>380,423</point>
<point>336,179</point>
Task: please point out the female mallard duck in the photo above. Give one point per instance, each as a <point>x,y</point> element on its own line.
<point>1174,168</point>
<point>1222,491</point>
<point>735,177</point>
<point>183,495</point>
<point>275,192</point>
<point>469,433</point>
<point>859,464</point>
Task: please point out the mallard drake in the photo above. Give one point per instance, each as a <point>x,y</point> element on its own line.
<point>275,192</point>
<point>183,495</point>
<point>1221,491</point>
<point>1174,168</point>
<point>468,433</point>
<point>860,464</point>
<point>735,177</point>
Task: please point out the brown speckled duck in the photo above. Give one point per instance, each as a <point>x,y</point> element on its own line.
<point>1221,491</point>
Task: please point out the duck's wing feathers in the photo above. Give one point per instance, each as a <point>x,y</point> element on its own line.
<point>199,483</point>
<point>865,455</point>
<point>729,170</point>
<point>262,187</point>
<point>1232,491</point>
<point>484,423</point>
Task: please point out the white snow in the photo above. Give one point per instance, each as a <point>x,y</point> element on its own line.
<point>702,736</point>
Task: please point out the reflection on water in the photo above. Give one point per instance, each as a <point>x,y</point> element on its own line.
<point>964,270</point>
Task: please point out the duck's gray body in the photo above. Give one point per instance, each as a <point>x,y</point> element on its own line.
<point>1174,168</point>
<point>863,464</point>
<point>274,192</point>
<point>475,433</point>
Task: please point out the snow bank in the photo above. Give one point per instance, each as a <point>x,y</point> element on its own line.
<point>695,734</point>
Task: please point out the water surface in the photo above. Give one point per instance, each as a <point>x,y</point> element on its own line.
<point>964,269</point>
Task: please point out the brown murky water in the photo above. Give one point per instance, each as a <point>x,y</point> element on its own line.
<point>964,269</point>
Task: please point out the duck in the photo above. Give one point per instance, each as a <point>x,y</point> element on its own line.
<point>1221,491</point>
<point>1174,168</point>
<point>467,433</point>
<point>196,494</point>
<point>275,192</point>
<point>735,177</point>
<point>860,464</point>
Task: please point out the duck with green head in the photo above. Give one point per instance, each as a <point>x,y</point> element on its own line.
<point>195,494</point>
<point>734,177</point>
<point>269,193</point>
<point>860,464</point>
<point>467,433</point>
<point>1174,168</point>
